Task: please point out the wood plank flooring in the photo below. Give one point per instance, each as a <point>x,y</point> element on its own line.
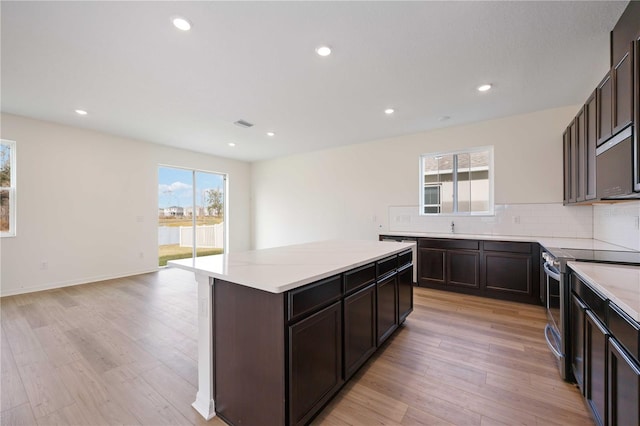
<point>124,352</point>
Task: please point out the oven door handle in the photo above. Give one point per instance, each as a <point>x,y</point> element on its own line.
<point>550,272</point>
<point>557,353</point>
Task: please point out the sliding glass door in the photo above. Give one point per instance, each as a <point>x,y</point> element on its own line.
<point>191,210</point>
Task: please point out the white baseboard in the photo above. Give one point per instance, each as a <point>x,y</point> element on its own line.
<point>81,281</point>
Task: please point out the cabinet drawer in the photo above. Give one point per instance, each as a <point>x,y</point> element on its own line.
<point>449,244</point>
<point>405,258</point>
<point>625,329</point>
<point>384,266</point>
<point>593,300</point>
<point>306,299</point>
<point>360,277</point>
<point>508,246</point>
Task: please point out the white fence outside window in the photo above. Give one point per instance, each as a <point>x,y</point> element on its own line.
<point>207,236</point>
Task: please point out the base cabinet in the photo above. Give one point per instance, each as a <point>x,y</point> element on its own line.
<point>387,307</point>
<point>498,269</point>
<point>624,387</point>
<point>577,312</point>
<point>405,292</point>
<point>360,336</point>
<point>596,336</point>
<point>315,362</point>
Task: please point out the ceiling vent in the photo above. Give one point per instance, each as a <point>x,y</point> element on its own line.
<point>242,123</point>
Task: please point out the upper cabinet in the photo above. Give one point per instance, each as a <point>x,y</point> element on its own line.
<point>608,117</point>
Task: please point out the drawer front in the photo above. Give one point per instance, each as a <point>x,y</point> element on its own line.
<point>405,258</point>
<point>360,277</point>
<point>508,246</point>
<point>625,330</point>
<point>449,244</point>
<point>308,298</point>
<point>384,266</point>
<point>593,300</point>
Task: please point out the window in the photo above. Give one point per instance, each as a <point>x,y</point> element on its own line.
<point>7,188</point>
<point>457,183</point>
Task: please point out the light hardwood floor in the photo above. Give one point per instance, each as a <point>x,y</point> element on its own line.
<point>124,352</point>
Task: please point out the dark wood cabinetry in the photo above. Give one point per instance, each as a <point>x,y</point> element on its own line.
<point>605,345</point>
<point>387,307</point>
<point>624,387</point>
<point>282,356</point>
<point>497,269</point>
<point>636,136</point>
<point>360,336</point>
<point>315,362</point>
<point>579,152</point>
<point>595,350</point>
<point>405,292</point>
<point>566,157</point>
<point>604,105</point>
<point>577,312</point>
<point>589,135</point>
<point>622,102</point>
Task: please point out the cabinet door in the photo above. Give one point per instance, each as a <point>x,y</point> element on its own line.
<point>508,272</point>
<point>636,156</point>
<point>575,164</point>
<point>315,362</point>
<point>360,336</point>
<point>580,156</point>
<point>623,91</point>
<point>577,312</point>
<point>590,141</point>
<point>431,266</point>
<point>596,366</point>
<point>604,94</point>
<point>387,307</point>
<point>405,293</point>
<point>566,152</point>
<point>463,268</point>
<point>624,387</point>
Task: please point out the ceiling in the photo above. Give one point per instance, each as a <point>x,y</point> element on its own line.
<point>141,78</point>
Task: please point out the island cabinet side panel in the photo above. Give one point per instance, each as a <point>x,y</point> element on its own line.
<point>249,345</point>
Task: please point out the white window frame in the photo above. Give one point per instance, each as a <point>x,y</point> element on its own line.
<point>422,184</point>
<point>12,191</point>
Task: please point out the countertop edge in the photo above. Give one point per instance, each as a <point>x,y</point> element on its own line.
<point>277,289</point>
<point>578,267</point>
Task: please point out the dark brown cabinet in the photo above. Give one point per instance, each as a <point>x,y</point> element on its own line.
<point>360,336</point>
<point>497,269</point>
<point>595,348</point>
<point>315,362</point>
<point>577,312</point>
<point>387,307</point>
<point>622,102</point>
<point>589,136</point>
<point>566,156</point>
<point>604,105</point>
<point>624,387</point>
<point>636,141</point>
<point>604,349</point>
<point>405,292</point>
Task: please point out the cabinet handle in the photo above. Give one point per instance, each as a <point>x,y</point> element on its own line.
<point>557,353</point>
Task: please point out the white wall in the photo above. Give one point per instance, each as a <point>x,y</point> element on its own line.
<point>618,223</point>
<point>87,204</point>
<point>346,192</point>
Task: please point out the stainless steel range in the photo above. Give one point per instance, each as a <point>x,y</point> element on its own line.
<point>558,291</point>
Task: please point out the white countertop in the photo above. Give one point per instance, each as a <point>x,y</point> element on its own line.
<point>279,269</point>
<point>567,243</point>
<point>619,283</point>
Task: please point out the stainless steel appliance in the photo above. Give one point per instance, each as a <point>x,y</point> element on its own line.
<point>614,167</point>
<point>557,292</point>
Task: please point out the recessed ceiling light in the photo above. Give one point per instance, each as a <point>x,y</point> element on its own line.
<point>231,144</point>
<point>81,112</point>
<point>271,134</point>
<point>181,23</point>
<point>484,87</point>
<point>323,50</point>
<point>389,111</point>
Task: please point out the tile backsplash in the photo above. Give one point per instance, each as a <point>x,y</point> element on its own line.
<point>618,223</point>
<point>612,223</point>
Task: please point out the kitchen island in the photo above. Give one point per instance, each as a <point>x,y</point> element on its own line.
<point>282,329</point>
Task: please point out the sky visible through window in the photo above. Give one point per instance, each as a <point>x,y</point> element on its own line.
<point>175,186</point>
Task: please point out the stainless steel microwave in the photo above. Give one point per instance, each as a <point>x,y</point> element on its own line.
<point>616,161</point>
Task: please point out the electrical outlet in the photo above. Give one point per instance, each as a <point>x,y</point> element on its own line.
<point>516,219</point>
<point>44,265</point>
